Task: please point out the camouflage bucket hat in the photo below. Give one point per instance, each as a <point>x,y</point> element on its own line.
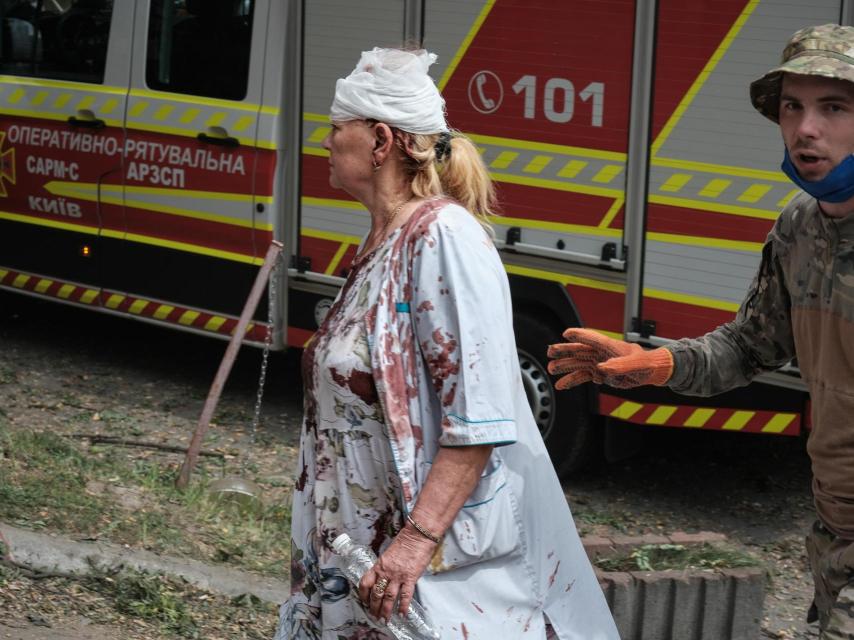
<point>826,50</point>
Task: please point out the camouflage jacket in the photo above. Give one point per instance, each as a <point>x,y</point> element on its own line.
<point>801,303</point>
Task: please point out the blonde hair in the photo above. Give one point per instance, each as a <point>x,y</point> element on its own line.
<point>461,174</point>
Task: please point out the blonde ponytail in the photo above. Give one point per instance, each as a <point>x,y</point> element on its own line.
<point>461,175</point>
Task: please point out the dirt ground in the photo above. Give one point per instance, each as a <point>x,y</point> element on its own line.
<point>754,489</point>
<point>76,628</point>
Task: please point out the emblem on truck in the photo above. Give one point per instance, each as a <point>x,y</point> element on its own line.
<point>485,92</point>
<point>7,165</point>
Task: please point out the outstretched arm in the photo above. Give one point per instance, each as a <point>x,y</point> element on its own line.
<point>758,339</point>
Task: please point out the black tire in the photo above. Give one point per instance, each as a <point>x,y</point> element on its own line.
<point>566,423</point>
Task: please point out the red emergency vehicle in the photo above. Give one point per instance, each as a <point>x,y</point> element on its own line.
<point>151,149</point>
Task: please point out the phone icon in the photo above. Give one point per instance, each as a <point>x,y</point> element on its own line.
<point>489,103</point>
<point>485,92</point>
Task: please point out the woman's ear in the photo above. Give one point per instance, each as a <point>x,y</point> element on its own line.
<point>383,140</point>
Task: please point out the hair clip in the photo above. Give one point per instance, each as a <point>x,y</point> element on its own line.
<point>443,146</point>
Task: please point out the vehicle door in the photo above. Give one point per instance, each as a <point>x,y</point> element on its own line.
<point>192,122</point>
<point>332,222</point>
<point>64,75</point>
<point>715,188</point>
<point>545,93</point>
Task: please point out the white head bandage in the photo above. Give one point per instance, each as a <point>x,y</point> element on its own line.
<point>391,86</point>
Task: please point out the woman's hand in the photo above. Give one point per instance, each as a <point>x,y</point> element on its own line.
<point>400,565</point>
<point>453,476</point>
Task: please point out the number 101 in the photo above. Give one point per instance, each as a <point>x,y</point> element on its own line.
<point>595,90</point>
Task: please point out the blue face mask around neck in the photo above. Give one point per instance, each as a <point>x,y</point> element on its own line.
<point>836,186</point>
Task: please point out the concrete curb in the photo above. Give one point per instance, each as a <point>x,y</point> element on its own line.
<point>702,605</point>
<point>48,553</point>
<point>600,547</point>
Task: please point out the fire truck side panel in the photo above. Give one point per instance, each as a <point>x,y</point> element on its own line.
<point>544,88</point>
<point>195,224</point>
<point>61,135</point>
<point>336,32</point>
<point>176,213</point>
<point>714,187</point>
<point>556,143</point>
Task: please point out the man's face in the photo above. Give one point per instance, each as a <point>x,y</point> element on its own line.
<point>817,123</point>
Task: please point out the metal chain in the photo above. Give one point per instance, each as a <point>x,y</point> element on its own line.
<point>265,355</point>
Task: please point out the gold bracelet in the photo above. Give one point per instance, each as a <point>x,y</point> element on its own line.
<point>424,532</point>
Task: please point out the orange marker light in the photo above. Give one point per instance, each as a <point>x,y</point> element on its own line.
<point>86,251</point>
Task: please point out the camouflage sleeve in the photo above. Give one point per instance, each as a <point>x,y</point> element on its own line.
<point>758,339</point>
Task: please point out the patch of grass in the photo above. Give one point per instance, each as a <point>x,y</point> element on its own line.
<point>8,375</point>
<point>608,519</point>
<point>4,570</point>
<point>43,485</point>
<point>253,538</point>
<point>141,606</point>
<point>246,537</point>
<point>149,597</point>
<point>660,557</point>
<point>43,480</point>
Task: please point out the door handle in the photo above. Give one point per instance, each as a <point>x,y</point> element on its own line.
<point>86,122</point>
<point>220,140</point>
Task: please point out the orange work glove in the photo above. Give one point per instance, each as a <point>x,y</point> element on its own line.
<point>590,356</point>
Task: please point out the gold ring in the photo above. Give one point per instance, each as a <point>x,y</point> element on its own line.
<point>379,587</point>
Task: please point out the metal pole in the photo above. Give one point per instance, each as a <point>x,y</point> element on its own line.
<point>413,22</point>
<point>227,361</point>
<point>288,220</point>
<point>637,170</point>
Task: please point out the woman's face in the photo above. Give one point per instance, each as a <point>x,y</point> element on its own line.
<point>350,145</point>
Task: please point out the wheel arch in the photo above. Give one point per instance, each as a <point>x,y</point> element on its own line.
<point>547,297</point>
<point>552,304</point>
<point>567,419</point>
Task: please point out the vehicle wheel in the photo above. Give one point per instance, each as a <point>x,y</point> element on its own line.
<point>564,418</point>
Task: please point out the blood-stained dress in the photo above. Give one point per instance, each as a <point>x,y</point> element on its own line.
<point>418,353</point>
<point>347,480</point>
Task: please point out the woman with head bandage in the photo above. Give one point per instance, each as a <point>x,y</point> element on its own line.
<point>418,439</point>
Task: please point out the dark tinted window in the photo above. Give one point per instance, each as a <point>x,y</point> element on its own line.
<point>200,47</point>
<point>62,39</point>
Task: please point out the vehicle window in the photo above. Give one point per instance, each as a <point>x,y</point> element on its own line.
<point>200,47</point>
<point>61,39</point>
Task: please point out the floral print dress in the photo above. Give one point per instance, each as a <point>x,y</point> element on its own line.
<point>347,479</point>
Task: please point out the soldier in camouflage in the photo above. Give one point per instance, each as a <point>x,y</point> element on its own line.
<point>800,304</point>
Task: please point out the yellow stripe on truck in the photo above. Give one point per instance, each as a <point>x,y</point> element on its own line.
<point>661,415</point>
<point>699,417</point>
<point>778,423</point>
<point>738,420</point>
<point>626,410</point>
